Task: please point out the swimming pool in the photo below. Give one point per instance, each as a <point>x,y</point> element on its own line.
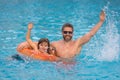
<point>99,59</point>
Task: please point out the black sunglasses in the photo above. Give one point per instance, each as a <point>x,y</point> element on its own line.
<point>69,32</point>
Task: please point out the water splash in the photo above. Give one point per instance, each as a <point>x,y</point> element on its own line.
<point>110,50</point>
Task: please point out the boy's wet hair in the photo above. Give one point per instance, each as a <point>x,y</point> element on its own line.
<point>44,40</point>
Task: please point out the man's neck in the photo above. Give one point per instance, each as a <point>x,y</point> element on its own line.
<point>67,42</point>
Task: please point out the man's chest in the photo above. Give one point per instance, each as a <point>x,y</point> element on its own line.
<point>66,51</point>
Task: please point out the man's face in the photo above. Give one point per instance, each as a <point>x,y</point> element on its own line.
<point>67,34</point>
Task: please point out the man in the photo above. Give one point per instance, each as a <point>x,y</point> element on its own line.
<point>68,48</point>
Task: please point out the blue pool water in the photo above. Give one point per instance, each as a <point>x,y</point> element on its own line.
<point>99,58</point>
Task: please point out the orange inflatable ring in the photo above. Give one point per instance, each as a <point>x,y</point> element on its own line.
<point>25,49</point>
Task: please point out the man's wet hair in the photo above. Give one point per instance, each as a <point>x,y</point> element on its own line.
<point>67,25</point>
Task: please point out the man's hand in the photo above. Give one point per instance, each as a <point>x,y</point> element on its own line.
<point>102,16</point>
<point>30,26</point>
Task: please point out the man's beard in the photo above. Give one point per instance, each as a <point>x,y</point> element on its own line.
<point>67,38</point>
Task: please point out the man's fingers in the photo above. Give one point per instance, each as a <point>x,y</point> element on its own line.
<point>102,13</point>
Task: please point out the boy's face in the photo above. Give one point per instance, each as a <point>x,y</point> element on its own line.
<point>43,46</point>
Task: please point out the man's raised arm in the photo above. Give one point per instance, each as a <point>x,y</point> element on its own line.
<point>92,32</point>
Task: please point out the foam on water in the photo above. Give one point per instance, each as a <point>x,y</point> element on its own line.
<point>110,50</point>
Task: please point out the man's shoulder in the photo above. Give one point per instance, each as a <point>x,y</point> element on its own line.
<point>56,41</point>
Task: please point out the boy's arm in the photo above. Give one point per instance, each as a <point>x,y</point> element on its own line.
<point>31,43</point>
